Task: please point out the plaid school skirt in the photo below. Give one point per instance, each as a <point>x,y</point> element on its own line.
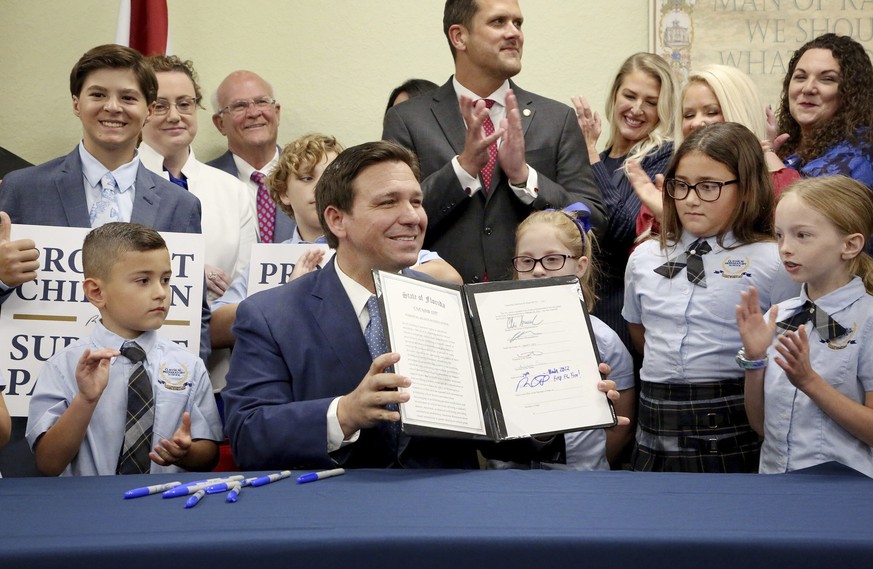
<point>699,427</point>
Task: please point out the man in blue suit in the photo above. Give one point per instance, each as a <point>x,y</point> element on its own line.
<point>247,113</point>
<point>303,390</point>
<point>113,89</point>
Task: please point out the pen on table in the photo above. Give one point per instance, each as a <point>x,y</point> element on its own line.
<point>261,480</point>
<point>185,490</point>
<point>225,486</point>
<point>313,476</point>
<point>149,490</point>
<point>233,494</point>
<point>193,500</point>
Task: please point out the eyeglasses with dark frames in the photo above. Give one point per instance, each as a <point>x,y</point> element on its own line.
<point>707,191</point>
<point>554,262</point>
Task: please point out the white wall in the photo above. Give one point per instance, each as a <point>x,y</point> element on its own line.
<point>333,64</point>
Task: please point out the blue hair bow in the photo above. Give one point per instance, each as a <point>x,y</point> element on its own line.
<point>579,214</point>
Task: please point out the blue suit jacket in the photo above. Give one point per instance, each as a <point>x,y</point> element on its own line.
<point>53,194</point>
<point>297,348</point>
<point>284,224</point>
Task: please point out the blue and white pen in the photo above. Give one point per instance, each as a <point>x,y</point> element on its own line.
<point>225,486</point>
<point>149,490</point>
<point>195,499</point>
<point>313,476</point>
<point>262,480</point>
<point>185,490</point>
<point>233,495</point>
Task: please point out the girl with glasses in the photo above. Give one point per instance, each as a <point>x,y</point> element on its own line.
<point>680,295</point>
<point>809,392</point>
<point>559,243</point>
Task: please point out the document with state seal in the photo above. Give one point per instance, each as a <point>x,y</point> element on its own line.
<point>494,361</point>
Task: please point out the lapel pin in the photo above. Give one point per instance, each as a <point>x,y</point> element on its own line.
<point>526,112</point>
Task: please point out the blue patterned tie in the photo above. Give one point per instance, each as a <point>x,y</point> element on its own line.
<point>106,208</point>
<point>134,457</point>
<point>375,338</point>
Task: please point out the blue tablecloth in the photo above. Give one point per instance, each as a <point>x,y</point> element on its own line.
<point>505,519</point>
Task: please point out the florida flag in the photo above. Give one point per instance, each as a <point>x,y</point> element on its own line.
<point>144,26</point>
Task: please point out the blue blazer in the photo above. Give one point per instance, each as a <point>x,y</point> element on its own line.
<point>297,348</point>
<point>284,225</point>
<point>53,194</point>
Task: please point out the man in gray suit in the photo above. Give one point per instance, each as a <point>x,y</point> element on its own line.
<point>247,113</point>
<point>491,153</point>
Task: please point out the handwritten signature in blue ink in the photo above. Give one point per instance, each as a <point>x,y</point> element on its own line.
<point>552,375</point>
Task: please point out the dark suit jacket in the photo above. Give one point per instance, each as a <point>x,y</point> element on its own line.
<point>53,194</point>
<point>297,348</point>
<point>10,162</point>
<point>476,234</point>
<point>284,225</point>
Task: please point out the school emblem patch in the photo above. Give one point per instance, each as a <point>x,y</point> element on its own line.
<point>734,268</point>
<point>174,377</point>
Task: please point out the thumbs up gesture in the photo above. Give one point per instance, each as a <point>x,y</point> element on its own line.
<point>18,259</point>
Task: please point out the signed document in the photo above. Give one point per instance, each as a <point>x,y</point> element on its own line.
<point>496,361</point>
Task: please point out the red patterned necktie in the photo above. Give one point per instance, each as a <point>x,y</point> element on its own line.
<point>488,170</point>
<point>266,209</point>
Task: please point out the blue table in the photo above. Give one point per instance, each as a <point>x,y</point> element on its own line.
<point>370,518</point>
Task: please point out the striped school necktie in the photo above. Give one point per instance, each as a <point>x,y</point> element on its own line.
<point>134,457</point>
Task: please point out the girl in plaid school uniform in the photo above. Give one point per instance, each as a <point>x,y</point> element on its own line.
<point>680,297</point>
<point>809,392</point>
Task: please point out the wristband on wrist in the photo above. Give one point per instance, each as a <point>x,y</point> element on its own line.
<point>750,364</point>
<point>519,185</point>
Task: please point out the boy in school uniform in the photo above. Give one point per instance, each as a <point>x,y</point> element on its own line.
<point>124,401</point>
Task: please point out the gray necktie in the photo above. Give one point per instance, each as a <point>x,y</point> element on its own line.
<point>106,208</point>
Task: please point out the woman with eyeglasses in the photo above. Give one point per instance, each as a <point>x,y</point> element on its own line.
<point>228,220</point>
<point>680,298</point>
<point>640,111</point>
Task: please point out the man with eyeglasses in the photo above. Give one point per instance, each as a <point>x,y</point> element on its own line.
<point>247,113</point>
<point>491,153</point>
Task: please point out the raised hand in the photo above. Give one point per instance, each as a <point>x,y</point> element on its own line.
<point>589,123</point>
<point>511,156</point>
<point>306,263</point>
<point>650,193</point>
<point>755,332</point>
<point>19,258</point>
<point>92,372</point>
<point>475,154</point>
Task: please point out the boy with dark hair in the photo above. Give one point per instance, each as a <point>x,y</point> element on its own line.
<point>149,410</point>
